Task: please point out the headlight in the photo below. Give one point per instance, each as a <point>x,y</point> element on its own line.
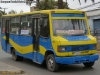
<point>61,49</point>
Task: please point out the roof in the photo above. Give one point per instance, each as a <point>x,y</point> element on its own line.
<point>92,10</point>
<point>47,11</point>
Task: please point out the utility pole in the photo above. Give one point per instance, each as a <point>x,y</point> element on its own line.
<point>88,6</point>
<point>4,10</point>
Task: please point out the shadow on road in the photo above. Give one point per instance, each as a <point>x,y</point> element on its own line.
<point>74,68</point>
<point>63,68</point>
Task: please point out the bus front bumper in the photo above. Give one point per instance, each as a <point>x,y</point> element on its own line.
<point>76,59</point>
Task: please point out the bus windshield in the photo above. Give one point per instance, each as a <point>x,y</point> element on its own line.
<point>65,27</point>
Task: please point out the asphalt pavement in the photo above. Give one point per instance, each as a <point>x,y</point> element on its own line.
<point>34,69</point>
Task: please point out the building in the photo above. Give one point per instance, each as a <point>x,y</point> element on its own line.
<point>94,19</point>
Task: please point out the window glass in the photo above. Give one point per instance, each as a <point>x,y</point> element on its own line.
<point>3,25</point>
<point>44,28</point>
<point>15,25</point>
<point>26,25</point>
<point>69,27</point>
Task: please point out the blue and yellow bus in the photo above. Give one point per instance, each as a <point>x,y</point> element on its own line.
<point>52,37</point>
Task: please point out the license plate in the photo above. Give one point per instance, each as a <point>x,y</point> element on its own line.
<point>77,53</point>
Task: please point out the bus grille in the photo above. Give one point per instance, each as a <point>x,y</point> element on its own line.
<point>81,48</point>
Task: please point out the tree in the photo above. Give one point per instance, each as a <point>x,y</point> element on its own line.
<point>21,11</point>
<point>51,4</point>
<point>2,12</point>
<point>12,12</point>
<point>60,3</point>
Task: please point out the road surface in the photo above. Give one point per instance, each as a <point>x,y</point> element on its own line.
<point>35,69</point>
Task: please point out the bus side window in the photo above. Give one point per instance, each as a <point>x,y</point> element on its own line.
<point>44,28</point>
<point>26,25</point>
<point>3,25</point>
<point>15,25</point>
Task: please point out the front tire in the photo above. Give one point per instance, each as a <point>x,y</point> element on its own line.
<point>89,64</point>
<point>16,57</point>
<point>51,63</point>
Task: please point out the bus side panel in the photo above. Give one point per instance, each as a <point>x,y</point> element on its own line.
<point>45,45</point>
<point>3,43</point>
<point>22,45</point>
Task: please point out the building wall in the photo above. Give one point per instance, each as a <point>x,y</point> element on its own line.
<point>93,12</point>
<point>93,15</point>
<point>91,23</point>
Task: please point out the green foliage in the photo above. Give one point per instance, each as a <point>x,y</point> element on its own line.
<point>45,4</point>
<point>12,12</point>
<point>50,4</point>
<point>2,13</point>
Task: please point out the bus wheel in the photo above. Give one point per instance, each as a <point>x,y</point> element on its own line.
<point>89,64</point>
<point>51,64</point>
<point>16,57</point>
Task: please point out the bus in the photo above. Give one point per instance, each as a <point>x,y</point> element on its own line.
<point>51,37</point>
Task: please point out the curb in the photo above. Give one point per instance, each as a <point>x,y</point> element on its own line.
<point>11,72</point>
<point>8,69</point>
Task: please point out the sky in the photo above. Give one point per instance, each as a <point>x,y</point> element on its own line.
<point>26,8</point>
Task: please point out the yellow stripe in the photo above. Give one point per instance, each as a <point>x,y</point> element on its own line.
<point>25,49</point>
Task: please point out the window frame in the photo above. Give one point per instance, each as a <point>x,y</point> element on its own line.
<point>3,18</point>
<point>14,22</point>
<point>27,22</point>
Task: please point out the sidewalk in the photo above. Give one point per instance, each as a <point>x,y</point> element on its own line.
<point>8,69</point>
<point>98,52</point>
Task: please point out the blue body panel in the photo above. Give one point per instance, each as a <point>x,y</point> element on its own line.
<point>46,43</point>
<point>26,41</point>
<point>32,56</point>
<point>79,48</point>
<point>76,59</point>
<point>76,38</point>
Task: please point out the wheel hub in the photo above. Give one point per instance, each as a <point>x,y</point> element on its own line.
<point>50,63</point>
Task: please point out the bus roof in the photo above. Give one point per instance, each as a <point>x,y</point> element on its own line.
<point>46,12</point>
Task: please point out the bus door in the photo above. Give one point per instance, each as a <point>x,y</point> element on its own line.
<point>40,32</point>
<point>7,32</point>
<point>35,38</point>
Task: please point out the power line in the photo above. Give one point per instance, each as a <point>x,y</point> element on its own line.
<point>88,6</point>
